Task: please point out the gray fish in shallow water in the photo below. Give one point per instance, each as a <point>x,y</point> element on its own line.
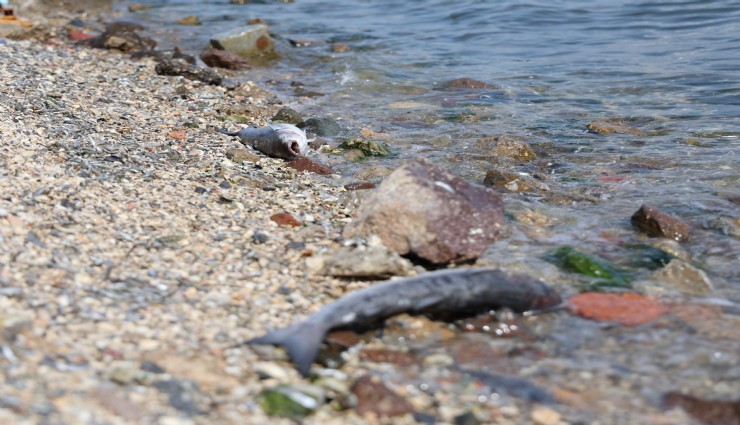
<point>278,140</point>
<point>446,293</point>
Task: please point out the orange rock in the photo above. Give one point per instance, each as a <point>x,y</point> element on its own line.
<point>626,309</point>
<point>77,35</point>
<point>285,219</point>
<point>179,134</point>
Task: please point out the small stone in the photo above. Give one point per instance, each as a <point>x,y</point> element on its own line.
<point>366,262</point>
<point>373,173</point>
<point>305,164</point>
<point>627,309</point>
<point>285,219</point>
<point>120,37</point>
<point>289,402</point>
<point>260,238</point>
<point>512,182</point>
<point>653,222</point>
<point>184,395</point>
<point>542,415</point>
<point>270,370</point>
<point>684,277</point>
<point>359,186</point>
<point>137,7</point>
<point>613,126</point>
<point>77,35</point>
<point>242,155</point>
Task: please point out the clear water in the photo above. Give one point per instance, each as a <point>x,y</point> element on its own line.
<point>670,68</point>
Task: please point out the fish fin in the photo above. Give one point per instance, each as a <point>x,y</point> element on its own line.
<point>302,342</point>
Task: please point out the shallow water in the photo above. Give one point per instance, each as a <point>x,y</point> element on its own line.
<point>669,68</point>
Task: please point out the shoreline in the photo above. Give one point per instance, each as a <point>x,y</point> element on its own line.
<point>137,251</point>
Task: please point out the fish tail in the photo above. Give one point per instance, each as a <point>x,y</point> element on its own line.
<point>226,132</point>
<point>302,342</point>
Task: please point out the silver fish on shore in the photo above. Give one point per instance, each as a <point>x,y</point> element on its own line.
<point>277,140</point>
<point>446,293</point>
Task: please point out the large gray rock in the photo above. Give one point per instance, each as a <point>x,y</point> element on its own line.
<point>422,210</point>
<point>248,42</point>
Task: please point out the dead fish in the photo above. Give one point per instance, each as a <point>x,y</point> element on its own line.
<point>443,294</point>
<point>277,140</point>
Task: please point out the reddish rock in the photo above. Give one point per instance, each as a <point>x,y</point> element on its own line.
<point>373,397</point>
<point>305,164</point>
<point>420,209</point>
<point>179,134</point>
<point>285,219</point>
<point>628,309</point>
<point>216,58</point>
<point>465,83</point>
<point>77,35</point>
<point>654,222</point>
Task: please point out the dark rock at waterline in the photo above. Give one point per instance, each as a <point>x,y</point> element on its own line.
<point>216,58</point>
<point>124,26</point>
<point>501,146</point>
<point>653,222</point>
<point>374,398</point>
<point>120,38</point>
<point>321,126</point>
<point>613,126</point>
<point>288,115</point>
<point>176,67</point>
<point>465,83</point>
<point>422,210</point>
<point>160,55</point>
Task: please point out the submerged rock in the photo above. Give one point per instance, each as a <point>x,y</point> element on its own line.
<point>613,126</point>
<point>513,182</point>
<point>321,126</point>
<point>684,277</point>
<point>424,211</point>
<point>506,147</point>
<point>247,42</point>
<point>654,222</point>
<point>465,83</point>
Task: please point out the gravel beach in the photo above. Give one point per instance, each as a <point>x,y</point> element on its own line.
<point>139,248</point>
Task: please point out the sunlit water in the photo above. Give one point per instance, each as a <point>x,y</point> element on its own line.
<point>670,68</point>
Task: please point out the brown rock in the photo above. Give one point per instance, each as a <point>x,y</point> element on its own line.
<point>223,59</point>
<point>359,186</point>
<point>465,83</point>
<point>373,397</point>
<point>285,219</point>
<point>656,223</point>
<point>612,126</point>
<point>77,35</point>
<point>305,164</point>
<point>506,147</point>
<point>423,210</point>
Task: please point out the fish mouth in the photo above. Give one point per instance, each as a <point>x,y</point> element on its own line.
<point>294,148</point>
